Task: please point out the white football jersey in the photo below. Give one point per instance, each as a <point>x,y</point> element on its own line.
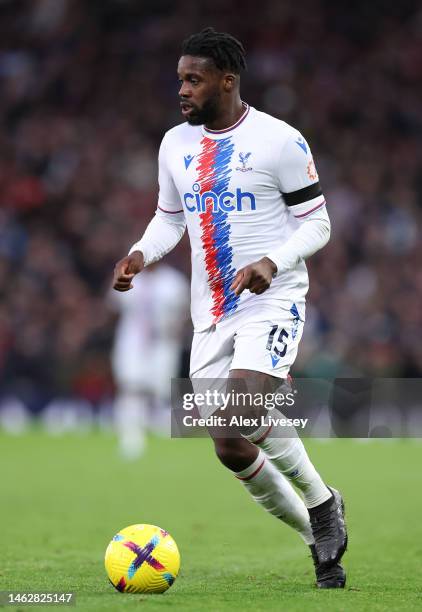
<point>242,191</point>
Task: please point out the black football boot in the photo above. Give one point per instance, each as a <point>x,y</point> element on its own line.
<point>333,577</point>
<point>329,530</point>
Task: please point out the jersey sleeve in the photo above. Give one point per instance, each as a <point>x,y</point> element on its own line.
<point>298,177</point>
<point>167,227</point>
<point>168,198</point>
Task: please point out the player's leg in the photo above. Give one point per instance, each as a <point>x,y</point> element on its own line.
<point>130,412</point>
<point>275,342</point>
<point>211,355</point>
<point>264,483</point>
<point>288,458</point>
<point>130,406</point>
<point>164,358</point>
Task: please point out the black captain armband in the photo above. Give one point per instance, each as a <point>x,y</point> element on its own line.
<point>303,195</point>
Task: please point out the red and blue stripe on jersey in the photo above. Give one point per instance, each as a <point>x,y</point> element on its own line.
<point>214,175</point>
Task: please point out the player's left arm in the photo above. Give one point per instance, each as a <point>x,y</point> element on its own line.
<point>299,184</point>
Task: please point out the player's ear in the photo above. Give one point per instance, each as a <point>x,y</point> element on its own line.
<point>229,82</point>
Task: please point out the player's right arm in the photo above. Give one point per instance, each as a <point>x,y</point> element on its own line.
<point>163,233</point>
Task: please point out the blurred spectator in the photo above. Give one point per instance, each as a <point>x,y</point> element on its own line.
<point>88,89</point>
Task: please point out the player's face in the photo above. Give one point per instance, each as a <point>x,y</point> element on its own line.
<point>201,85</point>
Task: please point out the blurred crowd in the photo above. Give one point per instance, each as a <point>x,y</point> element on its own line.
<point>87,90</point>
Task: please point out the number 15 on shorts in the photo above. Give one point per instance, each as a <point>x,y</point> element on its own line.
<point>277,343</point>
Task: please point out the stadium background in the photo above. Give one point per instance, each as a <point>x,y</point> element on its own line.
<point>88,89</point>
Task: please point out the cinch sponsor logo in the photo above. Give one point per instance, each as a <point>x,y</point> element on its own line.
<point>226,201</point>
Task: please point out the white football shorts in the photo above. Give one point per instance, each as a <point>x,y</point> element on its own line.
<point>264,340</point>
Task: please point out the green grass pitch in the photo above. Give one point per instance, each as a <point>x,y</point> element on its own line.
<point>64,498</point>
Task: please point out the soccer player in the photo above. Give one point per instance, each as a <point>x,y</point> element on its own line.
<point>246,187</point>
<point>146,351</point>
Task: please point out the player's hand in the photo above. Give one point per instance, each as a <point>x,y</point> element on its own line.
<point>256,277</point>
<point>125,270</point>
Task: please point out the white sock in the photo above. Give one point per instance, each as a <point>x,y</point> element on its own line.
<point>270,489</point>
<point>290,457</point>
<point>129,417</point>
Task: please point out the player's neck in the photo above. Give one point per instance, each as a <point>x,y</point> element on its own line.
<point>228,117</point>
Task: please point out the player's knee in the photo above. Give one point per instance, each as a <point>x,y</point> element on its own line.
<point>234,453</point>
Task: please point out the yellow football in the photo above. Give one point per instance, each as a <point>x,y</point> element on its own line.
<point>142,559</point>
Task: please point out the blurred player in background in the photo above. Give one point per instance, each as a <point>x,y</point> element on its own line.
<point>246,187</point>
<point>146,352</point>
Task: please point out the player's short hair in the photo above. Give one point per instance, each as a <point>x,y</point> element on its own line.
<point>225,50</point>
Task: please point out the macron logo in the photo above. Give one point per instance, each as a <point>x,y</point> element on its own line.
<point>188,159</point>
<point>302,144</point>
<point>275,360</point>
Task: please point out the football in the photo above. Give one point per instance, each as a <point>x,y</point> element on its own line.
<point>142,559</point>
